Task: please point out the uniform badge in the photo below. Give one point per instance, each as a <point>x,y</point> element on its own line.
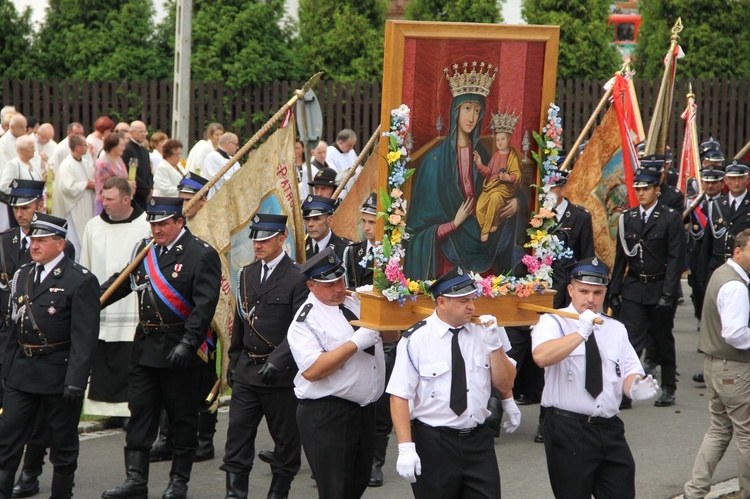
<point>57,272</point>
<point>20,299</point>
<point>15,239</point>
<point>567,214</point>
<point>175,274</point>
<point>360,252</point>
<point>595,262</point>
<point>331,258</point>
<point>51,310</point>
<point>177,267</point>
<point>178,247</point>
<point>152,202</point>
<point>459,271</point>
<point>256,219</point>
<point>309,199</point>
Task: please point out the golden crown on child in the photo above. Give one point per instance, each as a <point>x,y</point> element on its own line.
<point>471,82</point>
<point>505,122</point>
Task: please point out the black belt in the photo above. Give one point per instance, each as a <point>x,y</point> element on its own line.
<point>460,432</point>
<point>161,328</point>
<point>34,350</point>
<point>332,398</point>
<point>646,278</point>
<point>255,358</point>
<point>582,417</point>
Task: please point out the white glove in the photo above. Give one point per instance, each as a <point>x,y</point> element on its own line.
<point>494,337</point>
<point>644,389</point>
<point>365,338</point>
<point>514,415</point>
<point>408,464</point>
<point>586,323</point>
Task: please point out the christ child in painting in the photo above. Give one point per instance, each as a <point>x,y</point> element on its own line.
<point>502,175</point>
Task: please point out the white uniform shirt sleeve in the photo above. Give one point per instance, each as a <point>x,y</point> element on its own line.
<point>404,378</point>
<point>732,303</point>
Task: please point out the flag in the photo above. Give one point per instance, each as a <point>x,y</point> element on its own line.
<point>689,156</point>
<point>601,181</point>
<point>266,183</point>
<point>345,222</point>
<point>656,141</point>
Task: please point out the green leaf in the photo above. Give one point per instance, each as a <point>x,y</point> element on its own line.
<point>408,173</point>
<point>385,200</point>
<point>387,248</point>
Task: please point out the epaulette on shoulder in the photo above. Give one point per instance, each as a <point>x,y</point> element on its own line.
<point>202,242</point>
<point>303,314</point>
<point>411,330</point>
<point>32,262</point>
<point>80,268</point>
<point>670,210</point>
<point>7,231</point>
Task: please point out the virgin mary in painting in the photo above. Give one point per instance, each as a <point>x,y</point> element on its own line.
<point>442,225</point>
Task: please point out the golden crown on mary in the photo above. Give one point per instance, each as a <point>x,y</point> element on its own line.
<point>476,81</point>
<point>504,122</point>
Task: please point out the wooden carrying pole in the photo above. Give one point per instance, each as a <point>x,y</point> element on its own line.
<point>602,102</point>
<point>743,151</point>
<point>125,273</point>
<point>298,95</point>
<point>522,306</point>
<point>359,161</point>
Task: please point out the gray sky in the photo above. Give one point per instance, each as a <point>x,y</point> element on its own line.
<point>511,9</point>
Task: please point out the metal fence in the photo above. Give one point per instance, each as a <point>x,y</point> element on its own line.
<point>723,112</point>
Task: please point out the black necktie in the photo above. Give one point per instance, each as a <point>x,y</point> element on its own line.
<point>24,246</point>
<point>266,271</point>
<point>38,277</point>
<point>314,248</point>
<point>349,315</point>
<point>645,218</point>
<point>458,376</point>
<point>162,251</point>
<point>734,206</point>
<point>593,367</point>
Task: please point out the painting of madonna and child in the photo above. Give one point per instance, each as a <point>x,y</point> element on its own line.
<point>476,96</point>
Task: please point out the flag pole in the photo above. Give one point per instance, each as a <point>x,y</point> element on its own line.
<point>743,151</point>
<point>592,120</point>
<point>693,131</point>
<point>299,94</point>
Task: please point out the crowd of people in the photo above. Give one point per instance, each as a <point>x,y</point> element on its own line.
<point>81,336</point>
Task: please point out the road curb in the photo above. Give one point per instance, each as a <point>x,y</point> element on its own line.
<point>107,423</point>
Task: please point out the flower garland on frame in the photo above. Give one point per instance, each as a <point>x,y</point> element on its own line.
<point>389,277</point>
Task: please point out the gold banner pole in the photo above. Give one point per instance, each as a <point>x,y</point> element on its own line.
<point>358,162</point>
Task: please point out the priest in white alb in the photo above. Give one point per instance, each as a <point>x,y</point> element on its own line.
<point>74,190</point>
<point>106,248</point>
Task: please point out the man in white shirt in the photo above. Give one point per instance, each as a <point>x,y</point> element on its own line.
<point>215,161</point>
<point>8,141</point>
<point>588,365</point>
<point>341,156</point>
<point>341,376</point>
<point>45,145</point>
<point>62,150</point>
<point>445,369</point>
<point>725,339</point>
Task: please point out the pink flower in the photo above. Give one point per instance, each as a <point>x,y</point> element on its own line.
<point>522,291</point>
<point>396,193</point>
<point>532,263</point>
<point>536,222</point>
<point>486,286</point>
<point>503,290</point>
<point>394,219</point>
<point>547,260</point>
<point>393,272</point>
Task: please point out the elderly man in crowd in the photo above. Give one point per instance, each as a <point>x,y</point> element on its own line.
<point>215,161</point>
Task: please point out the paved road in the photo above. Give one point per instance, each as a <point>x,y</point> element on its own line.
<point>664,442</point>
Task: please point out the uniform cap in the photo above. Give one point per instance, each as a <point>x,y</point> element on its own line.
<point>325,176</point>
<point>454,284</point>
<point>24,191</point>
<point>370,205</point>
<point>191,183</point>
<point>161,208</point>
<point>317,205</point>
<point>266,225</point>
<point>645,178</point>
<point>323,267</point>
<point>43,225</point>
<point>591,271</point>
<point>737,168</point>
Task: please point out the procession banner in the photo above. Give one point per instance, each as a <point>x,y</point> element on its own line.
<point>689,156</point>
<point>603,176</point>
<point>266,183</point>
<point>346,221</point>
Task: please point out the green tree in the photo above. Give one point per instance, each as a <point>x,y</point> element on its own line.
<point>584,35</point>
<point>715,38</point>
<point>470,11</point>
<point>16,61</point>
<point>242,42</point>
<point>344,38</point>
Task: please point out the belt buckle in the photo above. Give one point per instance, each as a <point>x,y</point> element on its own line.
<point>465,431</point>
<point>643,278</point>
<point>27,350</point>
<point>590,420</point>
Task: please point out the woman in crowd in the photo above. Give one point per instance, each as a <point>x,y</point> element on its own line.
<point>156,142</point>
<point>201,148</point>
<point>110,165</point>
<point>103,126</point>
<point>169,172</point>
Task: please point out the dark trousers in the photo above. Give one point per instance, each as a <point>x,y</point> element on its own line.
<point>339,439</point>
<point>383,423</point>
<point>248,406</point>
<point>649,321</point>
<point>585,459</point>
<point>529,377</point>
<point>150,389</point>
<point>455,466</point>
<point>19,419</point>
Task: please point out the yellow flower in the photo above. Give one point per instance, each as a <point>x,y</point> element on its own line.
<point>393,156</point>
<point>412,285</point>
<point>396,236</point>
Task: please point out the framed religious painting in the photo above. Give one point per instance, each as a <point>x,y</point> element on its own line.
<point>475,93</point>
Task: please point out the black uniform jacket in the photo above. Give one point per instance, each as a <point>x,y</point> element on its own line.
<point>356,274</point>
<point>65,309</point>
<point>719,249</point>
<point>657,267</point>
<point>271,308</point>
<point>671,197</point>
<point>338,244</point>
<point>576,231</point>
<point>192,267</point>
<point>11,260</point>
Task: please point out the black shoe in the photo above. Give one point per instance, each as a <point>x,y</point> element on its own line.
<point>205,450</point>
<point>266,456</point>
<point>237,485</point>
<point>179,476</point>
<point>6,482</point>
<point>177,489</point>
<point>376,477</point>
<point>524,400</point>
<point>378,460</point>
<point>136,483</point>
<point>280,486</point>
<point>26,486</point>
<point>698,378</point>
<point>206,430</point>
<point>649,368</point>
<point>160,451</point>
<point>666,399</point>
<point>626,403</point>
<point>539,437</point>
